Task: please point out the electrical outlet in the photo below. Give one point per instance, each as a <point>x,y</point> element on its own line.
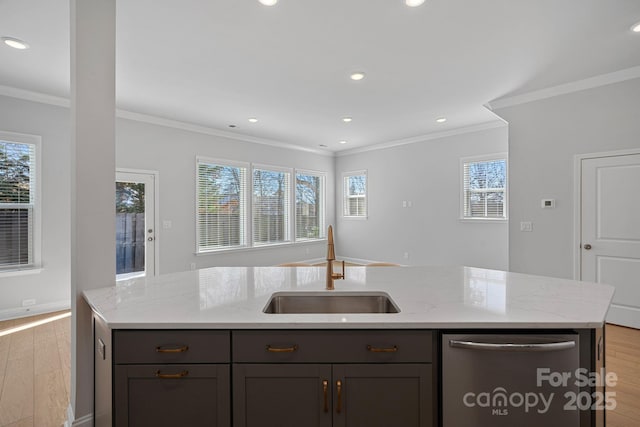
<point>193,266</point>
<point>28,302</point>
<point>406,255</point>
<point>526,226</point>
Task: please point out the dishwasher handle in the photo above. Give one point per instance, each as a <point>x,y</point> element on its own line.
<point>550,346</point>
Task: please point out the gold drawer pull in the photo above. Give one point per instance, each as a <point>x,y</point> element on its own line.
<point>173,349</point>
<point>282,349</point>
<point>382,349</point>
<point>325,390</point>
<point>339,388</point>
<point>182,374</point>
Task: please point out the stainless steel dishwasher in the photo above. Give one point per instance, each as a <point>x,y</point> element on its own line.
<point>521,380</point>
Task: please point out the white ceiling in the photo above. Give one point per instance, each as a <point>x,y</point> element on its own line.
<point>218,62</point>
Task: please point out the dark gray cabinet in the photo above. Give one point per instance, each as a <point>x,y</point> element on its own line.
<point>171,377</point>
<point>383,395</point>
<point>333,378</point>
<point>282,395</point>
<point>283,378</point>
<point>171,395</point>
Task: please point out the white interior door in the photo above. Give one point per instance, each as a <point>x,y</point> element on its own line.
<point>610,234</point>
<point>135,224</point>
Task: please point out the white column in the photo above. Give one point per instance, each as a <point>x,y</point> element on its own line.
<point>92,182</point>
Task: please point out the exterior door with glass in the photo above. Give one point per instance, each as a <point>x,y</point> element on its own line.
<point>135,224</point>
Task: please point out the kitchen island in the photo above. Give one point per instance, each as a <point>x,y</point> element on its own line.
<point>203,334</point>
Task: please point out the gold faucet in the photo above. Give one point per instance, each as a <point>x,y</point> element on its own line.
<point>331,256</point>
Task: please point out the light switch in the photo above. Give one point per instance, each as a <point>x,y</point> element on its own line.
<point>526,226</point>
<point>548,203</point>
<point>166,224</point>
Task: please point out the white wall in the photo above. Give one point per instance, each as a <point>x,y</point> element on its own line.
<point>427,174</point>
<point>51,287</point>
<point>172,152</point>
<point>544,137</point>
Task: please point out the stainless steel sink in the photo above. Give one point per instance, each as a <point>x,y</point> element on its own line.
<point>330,302</point>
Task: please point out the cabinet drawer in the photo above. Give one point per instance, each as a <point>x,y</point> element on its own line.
<point>171,346</point>
<point>332,346</point>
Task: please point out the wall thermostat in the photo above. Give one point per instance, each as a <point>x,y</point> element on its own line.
<point>548,203</point>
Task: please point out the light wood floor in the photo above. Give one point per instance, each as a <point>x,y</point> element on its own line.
<point>35,370</point>
<point>622,356</point>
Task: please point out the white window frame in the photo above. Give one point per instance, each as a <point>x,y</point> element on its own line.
<point>247,198</point>
<point>35,240</point>
<point>321,209</point>
<point>245,201</point>
<point>289,238</point>
<point>481,159</point>
<point>345,195</point>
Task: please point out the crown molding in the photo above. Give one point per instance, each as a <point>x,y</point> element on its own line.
<point>155,120</point>
<point>423,138</point>
<point>176,124</point>
<point>563,89</point>
<point>28,95</point>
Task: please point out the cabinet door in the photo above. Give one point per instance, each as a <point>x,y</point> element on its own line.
<point>382,395</point>
<point>281,395</point>
<point>172,395</point>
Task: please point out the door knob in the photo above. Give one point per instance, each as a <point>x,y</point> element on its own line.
<point>150,239</point>
<point>587,247</point>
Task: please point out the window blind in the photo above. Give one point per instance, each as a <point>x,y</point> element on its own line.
<point>309,206</point>
<point>484,189</point>
<point>221,205</point>
<point>17,204</point>
<point>271,206</point>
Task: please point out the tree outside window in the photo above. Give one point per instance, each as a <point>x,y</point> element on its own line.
<point>355,194</point>
<point>484,189</point>
<point>17,203</point>
<point>309,206</point>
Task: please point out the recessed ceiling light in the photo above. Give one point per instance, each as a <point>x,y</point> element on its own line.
<point>15,43</point>
<point>253,120</point>
<point>441,119</point>
<point>268,2</point>
<point>347,119</point>
<point>358,75</point>
<point>343,142</point>
<point>413,3</point>
<point>636,27</point>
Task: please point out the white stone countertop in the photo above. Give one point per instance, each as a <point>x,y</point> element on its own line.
<point>429,297</point>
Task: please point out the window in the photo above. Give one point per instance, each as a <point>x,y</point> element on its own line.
<point>240,205</point>
<point>309,205</point>
<point>484,193</point>
<point>19,210</point>
<point>355,194</point>
<point>271,196</point>
<point>221,205</point>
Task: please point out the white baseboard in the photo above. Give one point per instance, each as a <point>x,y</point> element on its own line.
<point>18,312</point>
<point>84,421</point>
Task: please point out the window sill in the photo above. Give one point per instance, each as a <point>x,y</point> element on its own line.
<point>262,247</point>
<point>356,218</point>
<point>485,220</point>
<point>23,272</point>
